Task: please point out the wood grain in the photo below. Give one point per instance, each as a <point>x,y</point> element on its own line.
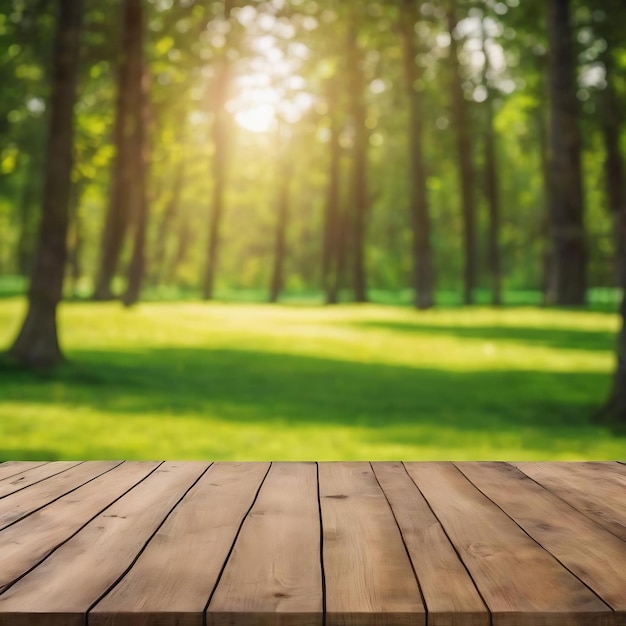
<point>32,476</point>
<point>596,489</point>
<point>369,578</point>
<point>26,543</point>
<point>173,579</point>
<point>60,590</point>
<point>273,576</point>
<point>521,583</point>
<point>21,503</point>
<point>594,555</point>
<point>449,593</point>
<point>11,468</point>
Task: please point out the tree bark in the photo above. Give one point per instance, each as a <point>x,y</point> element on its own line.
<point>220,157</point>
<point>331,216</point>
<point>280,241</point>
<point>358,192</point>
<point>119,212</point>
<point>466,170</point>
<point>569,258</point>
<point>141,165</point>
<point>491,185</point>
<point>37,344</point>
<point>423,273</point>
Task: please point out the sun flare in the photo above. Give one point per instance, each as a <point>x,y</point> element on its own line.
<point>257,118</point>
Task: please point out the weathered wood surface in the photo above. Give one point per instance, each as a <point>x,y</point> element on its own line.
<point>305,544</point>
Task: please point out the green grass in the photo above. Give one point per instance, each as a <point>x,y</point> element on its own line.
<point>249,381</point>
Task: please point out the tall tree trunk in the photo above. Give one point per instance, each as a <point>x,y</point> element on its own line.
<point>358,193</point>
<point>119,211</point>
<point>569,259</point>
<point>491,184</point>
<point>423,273</point>
<point>220,157</point>
<point>37,343</point>
<point>614,170</point>
<point>141,166</point>
<point>331,216</point>
<point>282,218</point>
<point>75,236</point>
<point>464,156</point>
<point>170,214</point>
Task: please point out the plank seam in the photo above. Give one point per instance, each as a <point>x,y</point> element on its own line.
<point>62,495</point>
<point>40,481</point>
<point>145,545</point>
<point>570,504</point>
<point>21,471</point>
<point>406,548</point>
<point>322,571</point>
<point>30,569</point>
<point>458,554</point>
<point>232,547</point>
<point>535,540</point>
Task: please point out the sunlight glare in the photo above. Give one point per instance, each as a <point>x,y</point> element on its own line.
<point>257,119</point>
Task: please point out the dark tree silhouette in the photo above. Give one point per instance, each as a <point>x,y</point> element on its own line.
<point>37,343</point>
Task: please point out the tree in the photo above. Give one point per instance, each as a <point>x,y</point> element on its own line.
<point>464,161</point>
<point>568,261</point>
<point>37,343</point>
<point>127,120</point>
<point>423,272</point>
<point>220,158</point>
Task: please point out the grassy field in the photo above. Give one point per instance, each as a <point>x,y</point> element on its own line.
<point>246,381</point>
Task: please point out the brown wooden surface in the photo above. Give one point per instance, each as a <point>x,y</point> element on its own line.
<point>306,544</point>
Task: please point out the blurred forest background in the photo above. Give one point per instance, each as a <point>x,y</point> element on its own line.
<point>431,154</point>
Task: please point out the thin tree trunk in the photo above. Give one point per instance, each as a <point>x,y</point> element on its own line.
<point>118,215</point>
<point>359,193</point>
<point>423,273</point>
<point>466,170</point>
<point>75,236</point>
<point>491,185</point>
<point>37,344</point>
<point>566,195</point>
<point>331,217</point>
<point>220,157</point>
<point>282,218</point>
<point>27,222</point>
<point>141,149</point>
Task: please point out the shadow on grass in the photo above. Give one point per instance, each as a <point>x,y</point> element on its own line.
<point>559,338</point>
<point>257,387</point>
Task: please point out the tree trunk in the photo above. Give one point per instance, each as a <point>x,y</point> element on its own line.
<point>280,242</point>
<point>464,156</point>
<point>37,344</point>
<point>75,236</point>
<point>141,165</point>
<point>569,258</point>
<point>491,185</point>
<point>118,215</point>
<point>331,217</point>
<point>423,274</point>
<point>220,157</point>
<point>359,194</point>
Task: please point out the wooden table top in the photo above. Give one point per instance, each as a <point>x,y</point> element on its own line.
<point>306,544</point>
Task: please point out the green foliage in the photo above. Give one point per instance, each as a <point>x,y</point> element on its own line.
<point>245,381</point>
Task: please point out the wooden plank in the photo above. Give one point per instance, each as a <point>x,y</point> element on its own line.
<point>596,489</point>
<point>59,591</point>
<point>26,543</point>
<point>522,584</point>
<point>594,555</point>
<point>11,468</point>
<point>21,503</point>
<point>449,593</point>
<point>174,577</point>
<point>33,475</point>
<point>369,578</point>
<point>274,576</point>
